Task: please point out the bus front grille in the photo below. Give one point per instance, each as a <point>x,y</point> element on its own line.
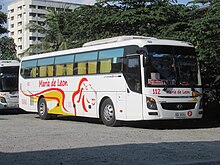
<point>178,106</point>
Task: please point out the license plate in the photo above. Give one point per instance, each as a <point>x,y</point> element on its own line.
<point>180,115</point>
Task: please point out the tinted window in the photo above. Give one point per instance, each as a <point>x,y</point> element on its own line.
<point>132,73</point>
<point>112,53</point>
<point>29,64</point>
<point>64,65</point>
<point>86,63</point>
<point>28,68</point>
<point>64,59</point>
<point>110,61</point>
<point>171,65</point>
<point>90,56</point>
<point>45,61</point>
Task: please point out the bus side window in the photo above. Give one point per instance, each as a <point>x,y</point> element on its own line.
<point>69,69</point>
<point>50,71</point>
<point>43,71</point>
<point>116,65</point>
<point>86,63</point>
<point>60,70</point>
<point>110,60</point>
<point>132,73</point>
<point>64,65</point>
<point>29,68</point>
<point>105,66</point>
<point>33,72</point>
<point>26,72</point>
<point>46,66</point>
<point>92,67</point>
<point>81,68</point>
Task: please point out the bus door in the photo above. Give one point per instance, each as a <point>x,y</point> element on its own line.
<point>132,73</point>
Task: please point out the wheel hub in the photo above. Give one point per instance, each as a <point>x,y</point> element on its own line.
<point>42,108</point>
<point>108,112</point>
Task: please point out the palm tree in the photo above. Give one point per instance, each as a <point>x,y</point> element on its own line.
<point>56,34</point>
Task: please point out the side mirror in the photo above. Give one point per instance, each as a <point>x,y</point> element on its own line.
<point>146,58</point>
<point>142,51</point>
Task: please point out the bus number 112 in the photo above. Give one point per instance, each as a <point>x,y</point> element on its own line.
<point>156,91</point>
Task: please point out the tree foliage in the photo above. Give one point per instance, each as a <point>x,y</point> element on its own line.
<point>57,37</point>
<point>7,46</point>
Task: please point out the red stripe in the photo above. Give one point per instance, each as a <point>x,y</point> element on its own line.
<point>83,104</point>
<point>79,90</point>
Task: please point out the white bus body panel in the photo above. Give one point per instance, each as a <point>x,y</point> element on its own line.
<point>84,93</point>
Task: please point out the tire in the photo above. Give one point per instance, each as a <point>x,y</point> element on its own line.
<point>42,109</point>
<point>108,113</point>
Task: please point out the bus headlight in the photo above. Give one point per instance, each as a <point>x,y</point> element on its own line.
<point>151,103</point>
<point>2,100</point>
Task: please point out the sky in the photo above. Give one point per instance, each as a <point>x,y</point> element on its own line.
<point>4,3</point>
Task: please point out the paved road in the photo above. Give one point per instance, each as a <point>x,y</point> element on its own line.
<point>26,139</point>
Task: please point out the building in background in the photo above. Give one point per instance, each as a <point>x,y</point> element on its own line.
<point>23,12</point>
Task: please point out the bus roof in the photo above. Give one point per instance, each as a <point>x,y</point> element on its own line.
<point>113,42</point>
<point>5,63</point>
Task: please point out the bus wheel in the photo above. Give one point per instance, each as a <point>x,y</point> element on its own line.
<point>108,113</point>
<point>42,109</point>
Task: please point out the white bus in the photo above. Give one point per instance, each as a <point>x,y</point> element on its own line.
<point>9,70</point>
<point>126,78</point>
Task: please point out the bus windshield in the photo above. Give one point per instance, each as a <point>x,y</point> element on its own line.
<point>8,79</point>
<point>171,66</point>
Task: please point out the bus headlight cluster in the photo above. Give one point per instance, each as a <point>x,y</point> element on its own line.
<point>151,103</point>
<point>2,100</point>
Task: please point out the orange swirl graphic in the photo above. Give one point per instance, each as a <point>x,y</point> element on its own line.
<point>47,91</point>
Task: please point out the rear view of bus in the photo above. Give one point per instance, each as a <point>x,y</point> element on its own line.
<point>9,84</point>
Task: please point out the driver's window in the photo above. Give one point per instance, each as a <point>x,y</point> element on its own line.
<point>132,73</point>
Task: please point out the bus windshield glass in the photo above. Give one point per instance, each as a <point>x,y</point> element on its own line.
<point>171,66</point>
<point>8,79</point>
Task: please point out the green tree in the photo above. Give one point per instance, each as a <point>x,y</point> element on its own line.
<point>7,46</point>
<point>7,49</point>
<point>205,34</point>
<point>56,33</point>
<point>128,17</point>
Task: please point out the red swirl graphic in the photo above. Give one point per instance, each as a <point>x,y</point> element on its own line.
<point>82,98</point>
